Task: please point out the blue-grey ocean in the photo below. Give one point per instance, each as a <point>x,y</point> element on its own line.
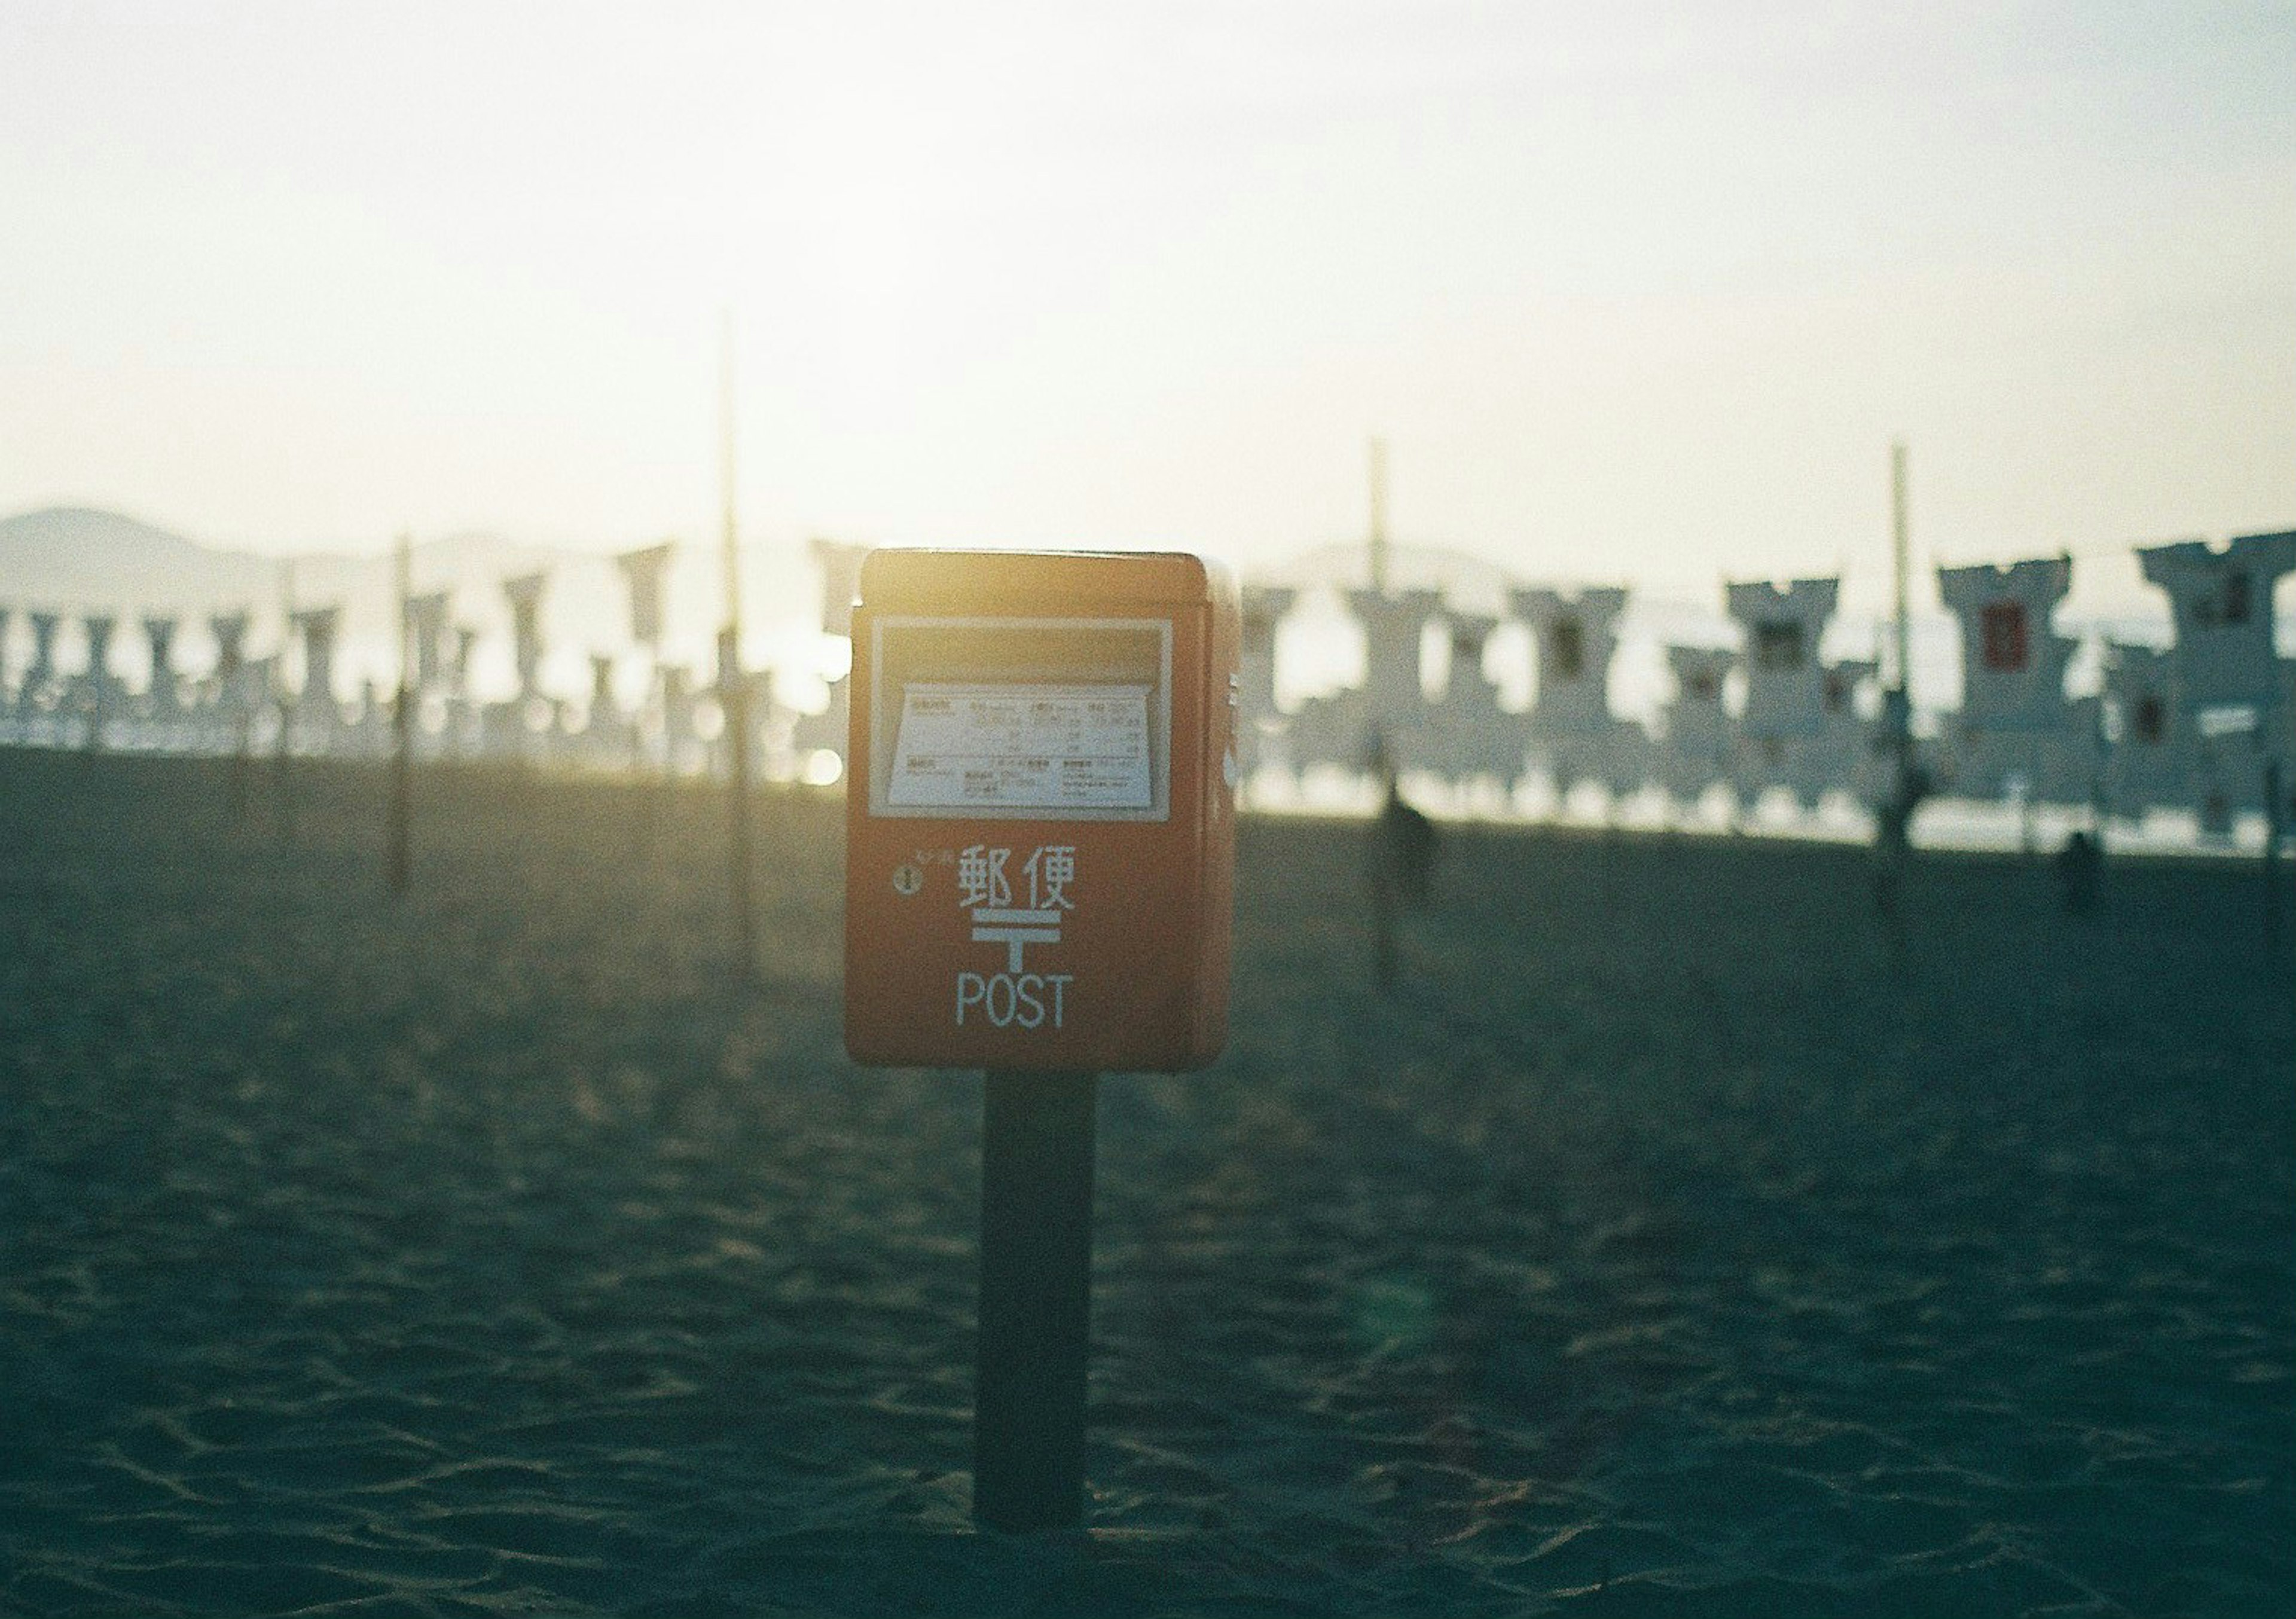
<point>1676,1239</point>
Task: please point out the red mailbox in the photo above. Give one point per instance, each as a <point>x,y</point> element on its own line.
<point>1040,811</point>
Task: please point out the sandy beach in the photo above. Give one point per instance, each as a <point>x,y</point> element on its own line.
<point>1673,1240</point>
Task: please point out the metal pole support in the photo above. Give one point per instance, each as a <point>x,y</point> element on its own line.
<point>396,854</point>
<point>1036,1301</point>
<point>734,693</point>
<point>2272,835</point>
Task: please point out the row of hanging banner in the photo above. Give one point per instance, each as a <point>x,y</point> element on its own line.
<point>2192,726</point>
<point>2189,727</point>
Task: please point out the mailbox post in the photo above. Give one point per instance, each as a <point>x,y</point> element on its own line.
<point>1039,883</point>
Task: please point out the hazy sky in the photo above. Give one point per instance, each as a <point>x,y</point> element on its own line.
<point>1634,291</point>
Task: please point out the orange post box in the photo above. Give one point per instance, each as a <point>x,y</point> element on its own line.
<point>1040,811</point>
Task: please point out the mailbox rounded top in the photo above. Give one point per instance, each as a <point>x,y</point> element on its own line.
<point>936,580</point>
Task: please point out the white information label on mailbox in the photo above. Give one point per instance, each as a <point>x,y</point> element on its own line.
<point>1021,747</point>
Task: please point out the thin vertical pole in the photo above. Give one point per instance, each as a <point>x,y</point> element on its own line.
<point>2028,831</point>
<point>725,469</point>
<point>1378,472</point>
<point>402,727</point>
<point>640,717</point>
<point>242,702</point>
<point>1036,1152</point>
<point>1895,839</point>
<point>733,692</point>
<point>1383,932</point>
<point>1900,549</point>
<point>98,691</point>
<point>283,788</point>
<point>1901,555</point>
<point>2273,781</point>
<point>665,783</point>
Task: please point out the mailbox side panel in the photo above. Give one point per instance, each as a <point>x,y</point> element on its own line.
<point>1222,776</point>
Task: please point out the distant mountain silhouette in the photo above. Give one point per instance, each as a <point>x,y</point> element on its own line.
<point>61,532</point>
<point>75,559</point>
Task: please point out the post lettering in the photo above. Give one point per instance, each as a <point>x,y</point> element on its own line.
<point>1026,1000</point>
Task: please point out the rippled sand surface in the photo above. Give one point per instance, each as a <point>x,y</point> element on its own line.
<point>1670,1243</point>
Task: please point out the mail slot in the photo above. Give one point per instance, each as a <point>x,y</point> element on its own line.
<point>1040,811</point>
